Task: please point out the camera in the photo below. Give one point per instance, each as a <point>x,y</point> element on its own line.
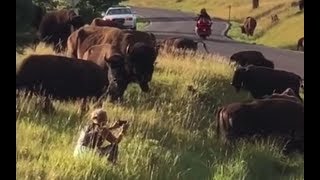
<point>121,122</point>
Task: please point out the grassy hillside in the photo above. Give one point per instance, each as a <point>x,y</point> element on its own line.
<point>281,35</point>
<point>290,33</point>
<point>172,132</point>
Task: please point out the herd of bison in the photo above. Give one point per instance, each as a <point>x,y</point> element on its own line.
<point>100,60</point>
<point>249,25</point>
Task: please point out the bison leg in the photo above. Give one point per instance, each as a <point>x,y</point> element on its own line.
<point>45,104</point>
<point>48,105</point>
<point>144,87</point>
<point>294,146</point>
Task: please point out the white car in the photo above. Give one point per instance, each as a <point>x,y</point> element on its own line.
<point>123,15</point>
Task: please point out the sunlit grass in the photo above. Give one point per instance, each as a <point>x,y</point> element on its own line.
<point>172,132</point>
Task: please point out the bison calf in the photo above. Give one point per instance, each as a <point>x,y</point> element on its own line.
<point>272,117</point>
<point>261,81</point>
<point>245,58</point>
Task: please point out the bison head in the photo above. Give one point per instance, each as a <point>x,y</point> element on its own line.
<point>239,59</point>
<point>238,78</point>
<point>76,22</point>
<point>117,76</point>
<point>142,57</point>
<point>268,63</point>
<point>234,57</point>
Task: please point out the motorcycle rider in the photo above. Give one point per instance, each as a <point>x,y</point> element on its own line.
<point>203,14</point>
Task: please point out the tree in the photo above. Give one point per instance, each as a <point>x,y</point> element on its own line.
<point>255,4</point>
<point>90,9</point>
<point>23,14</point>
<point>47,4</point>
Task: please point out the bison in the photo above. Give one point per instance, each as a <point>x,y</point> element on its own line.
<point>274,18</point>
<point>300,44</point>
<point>85,37</point>
<point>140,36</point>
<point>61,77</point>
<point>138,47</point>
<point>55,27</point>
<point>261,81</point>
<point>262,118</point>
<point>181,43</point>
<point>101,23</point>
<point>301,5</point>
<point>256,58</point>
<point>249,26</point>
<point>113,62</point>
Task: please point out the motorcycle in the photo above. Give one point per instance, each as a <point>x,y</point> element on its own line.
<point>203,28</point>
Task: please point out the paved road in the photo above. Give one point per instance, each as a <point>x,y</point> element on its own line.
<point>167,23</point>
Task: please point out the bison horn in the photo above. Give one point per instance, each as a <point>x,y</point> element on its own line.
<point>127,49</point>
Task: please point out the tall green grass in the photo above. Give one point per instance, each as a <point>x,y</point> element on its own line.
<point>172,132</point>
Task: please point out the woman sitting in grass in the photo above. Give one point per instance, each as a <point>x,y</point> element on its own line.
<point>93,135</point>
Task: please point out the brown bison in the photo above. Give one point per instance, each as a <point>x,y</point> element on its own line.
<point>274,18</point>
<point>181,43</point>
<point>85,37</point>
<point>267,117</point>
<point>261,81</point>
<point>140,36</point>
<point>101,23</point>
<point>301,5</point>
<point>55,27</point>
<point>244,58</point>
<point>300,44</point>
<point>113,62</point>
<point>61,77</point>
<point>294,4</point>
<point>249,26</point>
<point>138,48</point>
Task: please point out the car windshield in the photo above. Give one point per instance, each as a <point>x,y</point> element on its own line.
<point>119,11</point>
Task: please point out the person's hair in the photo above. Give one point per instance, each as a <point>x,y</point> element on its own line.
<point>98,115</point>
<point>203,11</point>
